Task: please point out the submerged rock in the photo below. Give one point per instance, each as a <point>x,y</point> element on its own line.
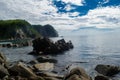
<point>77,74</point>
<point>107,70</point>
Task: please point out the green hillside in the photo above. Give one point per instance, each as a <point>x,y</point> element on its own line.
<point>16,29</point>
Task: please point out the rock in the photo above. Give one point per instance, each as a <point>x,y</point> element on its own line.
<point>43,59</point>
<point>77,74</point>
<point>107,70</point>
<point>47,46</point>
<point>49,74</point>
<point>22,70</point>
<point>3,72</point>
<point>2,57</point>
<point>44,66</point>
<point>100,77</point>
<point>74,77</point>
<point>51,78</point>
<point>3,60</point>
<point>33,62</point>
<point>9,45</point>
<point>24,78</point>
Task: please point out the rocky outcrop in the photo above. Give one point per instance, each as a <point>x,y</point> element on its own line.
<point>107,70</point>
<point>46,30</point>
<point>77,74</point>
<point>47,46</point>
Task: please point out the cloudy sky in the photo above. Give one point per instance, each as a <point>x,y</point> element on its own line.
<point>64,14</point>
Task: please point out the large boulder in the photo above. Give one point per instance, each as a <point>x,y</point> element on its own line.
<point>20,69</point>
<point>107,70</point>
<point>44,66</point>
<point>77,74</point>
<point>3,72</point>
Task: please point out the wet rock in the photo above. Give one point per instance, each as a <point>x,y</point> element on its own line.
<point>43,59</point>
<point>46,46</point>
<point>100,77</point>
<point>77,74</point>
<point>33,62</point>
<point>3,59</point>
<point>9,45</point>
<point>3,71</point>
<point>20,69</point>
<point>44,66</point>
<point>107,70</point>
<point>50,74</point>
<point>15,45</point>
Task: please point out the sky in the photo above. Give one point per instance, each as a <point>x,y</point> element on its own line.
<point>64,14</point>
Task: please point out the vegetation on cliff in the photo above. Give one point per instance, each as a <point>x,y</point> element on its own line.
<point>21,29</point>
<point>46,30</point>
<point>16,29</point>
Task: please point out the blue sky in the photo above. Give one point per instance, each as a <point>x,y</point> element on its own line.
<point>64,14</point>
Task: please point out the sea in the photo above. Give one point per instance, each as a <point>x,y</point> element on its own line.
<point>88,51</point>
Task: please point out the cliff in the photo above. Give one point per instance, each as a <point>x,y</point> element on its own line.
<point>46,30</point>
<point>16,29</point>
<point>20,29</point>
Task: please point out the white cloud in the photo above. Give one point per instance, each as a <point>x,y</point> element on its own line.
<point>44,12</point>
<point>104,17</point>
<point>75,2</point>
<point>69,7</point>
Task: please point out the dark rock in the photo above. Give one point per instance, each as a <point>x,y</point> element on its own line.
<point>100,77</point>
<point>3,71</point>
<point>33,62</point>
<point>77,74</point>
<point>107,70</point>
<point>46,46</point>
<point>9,45</point>
<point>43,59</point>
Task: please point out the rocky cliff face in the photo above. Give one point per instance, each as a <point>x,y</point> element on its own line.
<point>46,30</point>
<point>16,29</point>
<point>20,29</point>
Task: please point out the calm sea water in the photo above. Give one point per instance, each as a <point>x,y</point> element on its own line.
<point>89,50</point>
